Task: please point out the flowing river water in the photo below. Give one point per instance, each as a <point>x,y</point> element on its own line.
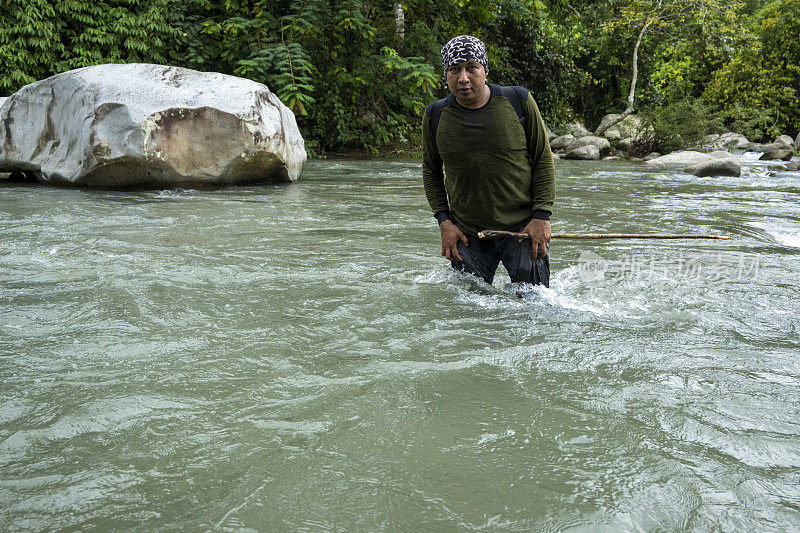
<point>301,358</point>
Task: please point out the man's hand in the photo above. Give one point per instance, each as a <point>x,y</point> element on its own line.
<point>539,230</point>
<point>450,237</point>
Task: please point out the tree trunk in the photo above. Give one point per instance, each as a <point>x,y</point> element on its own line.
<point>630,109</point>
<point>399,21</point>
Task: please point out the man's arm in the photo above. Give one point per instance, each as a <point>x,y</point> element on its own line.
<point>432,170</point>
<point>543,179</point>
<point>433,181</point>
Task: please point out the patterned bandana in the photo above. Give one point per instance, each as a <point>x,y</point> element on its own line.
<point>464,48</point>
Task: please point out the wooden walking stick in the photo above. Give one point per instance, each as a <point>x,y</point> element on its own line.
<point>492,234</point>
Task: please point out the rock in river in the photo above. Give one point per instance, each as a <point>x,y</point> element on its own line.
<point>561,142</point>
<point>602,144</point>
<point>679,159</point>
<point>777,151</point>
<point>140,125</point>
<point>627,128</point>
<point>587,152</point>
<point>723,166</point>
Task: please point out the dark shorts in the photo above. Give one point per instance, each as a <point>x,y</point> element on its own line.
<point>482,257</point>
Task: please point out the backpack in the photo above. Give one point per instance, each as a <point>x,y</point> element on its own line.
<point>516,95</point>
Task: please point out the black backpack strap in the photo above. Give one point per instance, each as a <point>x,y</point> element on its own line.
<point>434,111</point>
<point>517,96</point>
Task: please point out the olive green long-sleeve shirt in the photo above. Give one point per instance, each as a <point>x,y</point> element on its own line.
<point>484,170</point>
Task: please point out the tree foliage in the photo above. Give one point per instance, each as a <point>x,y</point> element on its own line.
<point>762,82</point>
<point>358,78</point>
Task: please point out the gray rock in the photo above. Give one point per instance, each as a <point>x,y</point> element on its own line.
<point>627,128</point>
<point>601,142</point>
<point>780,167</point>
<point>578,130</point>
<point>3,100</point>
<point>681,159</point>
<point>792,166</point>
<point>611,158</point>
<point>785,139</point>
<point>756,147</point>
<point>561,142</point>
<point>636,160</point>
<point>797,142</point>
<point>731,141</point>
<point>721,154</point>
<point>139,125</point>
<point>782,152</point>
<point>586,152</point>
<point>725,166</point>
<point>624,143</point>
<point>651,156</point>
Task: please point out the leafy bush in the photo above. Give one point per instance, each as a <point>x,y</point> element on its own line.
<point>677,125</point>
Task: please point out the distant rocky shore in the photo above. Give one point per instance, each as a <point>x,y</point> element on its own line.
<point>713,157</point>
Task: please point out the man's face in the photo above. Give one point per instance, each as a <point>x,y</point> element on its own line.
<point>467,81</point>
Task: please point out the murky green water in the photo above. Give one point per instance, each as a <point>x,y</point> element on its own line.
<point>300,358</point>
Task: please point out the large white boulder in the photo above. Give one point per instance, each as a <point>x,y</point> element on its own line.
<point>141,125</point>
<point>681,159</point>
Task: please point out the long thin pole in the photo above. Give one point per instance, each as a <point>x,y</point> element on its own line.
<point>491,234</point>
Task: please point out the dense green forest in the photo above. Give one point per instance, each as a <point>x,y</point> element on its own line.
<point>358,73</point>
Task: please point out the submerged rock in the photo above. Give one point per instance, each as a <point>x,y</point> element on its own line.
<point>651,156</point>
<point>141,125</point>
<point>679,159</point>
<point>723,166</point>
<point>585,152</point>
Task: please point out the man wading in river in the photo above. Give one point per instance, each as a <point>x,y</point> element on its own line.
<point>487,165</point>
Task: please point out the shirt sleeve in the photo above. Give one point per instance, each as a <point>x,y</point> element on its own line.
<point>543,179</point>
<point>432,170</point>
